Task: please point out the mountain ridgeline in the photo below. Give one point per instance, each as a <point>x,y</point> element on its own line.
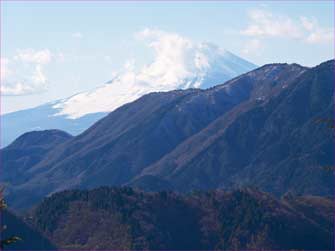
<point>259,129</point>
<point>80,111</point>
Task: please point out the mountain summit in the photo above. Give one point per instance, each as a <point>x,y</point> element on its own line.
<point>198,66</point>
<point>205,65</point>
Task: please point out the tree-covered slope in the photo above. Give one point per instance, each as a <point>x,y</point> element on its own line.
<point>123,218</point>
<point>278,144</point>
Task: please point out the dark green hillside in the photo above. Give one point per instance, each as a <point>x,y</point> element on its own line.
<point>123,218</point>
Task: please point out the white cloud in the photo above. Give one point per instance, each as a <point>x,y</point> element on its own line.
<point>252,46</point>
<point>25,85</point>
<point>38,76</point>
<point>174,57</point>
<point>309,24</point>
<point>129,65</point>
<point>178,63</point>
<point>316,33</point>
<point>60,57</point>
<point>77,35</point>
<point>18,88</point>
<point>320,37</point>
<point>5,71</point>
<point>33,56</point>
<point>24,73</point>
<point>264,24</point>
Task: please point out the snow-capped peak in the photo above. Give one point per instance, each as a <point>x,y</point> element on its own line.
<point>178,63</point>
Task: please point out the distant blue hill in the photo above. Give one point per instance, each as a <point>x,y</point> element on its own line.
<point>40,118</point>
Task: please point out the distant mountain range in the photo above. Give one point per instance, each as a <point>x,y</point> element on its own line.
<point>127,219</point>
<point>75,114</point>
<point>258,129</point>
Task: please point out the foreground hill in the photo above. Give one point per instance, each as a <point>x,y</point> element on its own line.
<point>26,151</point>
<point>123,218</point>
<point>258,129</point>
<point>42,117</point>
<point>277,144</point>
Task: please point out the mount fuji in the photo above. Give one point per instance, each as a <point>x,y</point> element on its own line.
<point>178,64</point>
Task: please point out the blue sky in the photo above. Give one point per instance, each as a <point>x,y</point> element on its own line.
<point>53,50</point>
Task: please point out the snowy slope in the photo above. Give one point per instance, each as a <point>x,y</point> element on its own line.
<point>205,65</point>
